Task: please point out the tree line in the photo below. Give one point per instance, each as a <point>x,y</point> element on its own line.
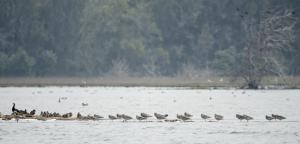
<point>149,38</point>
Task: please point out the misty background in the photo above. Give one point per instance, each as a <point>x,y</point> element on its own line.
<point>136,37</point>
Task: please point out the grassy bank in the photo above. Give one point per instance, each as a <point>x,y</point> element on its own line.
<point>288,82</point>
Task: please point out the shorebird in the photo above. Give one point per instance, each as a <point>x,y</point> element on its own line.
<point>246,117</point>
<point>79,116</point>
<point>279,117</point>
<point>32,112</point>
<point>145,115</point>
<point>126,117</point>
<point>98,116</point>
<point>240,117</point>
<point>119,116</point>
<point>182,117</point>
<point>203,116</point>
<point>269,118</point>
<point>218,117</point>
<point>187,115</point>
<point>112,117</point>
<point>160,116</point>
<point>140,117</point>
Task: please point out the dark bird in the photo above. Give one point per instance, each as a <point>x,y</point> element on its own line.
<point>240,117</point>
<point>112,117</point>
<point>218,117</point>
<point>279,117</point>
<point>293,12</point>
<point>140,117</point>
<point>13,109</point>
<point>79,116</point>
<point>182,117</point>
<point>269,118</point>
<point>160,116</point>
<point>203,116</point>
<point>145,115</point>
<point>32,112</point>
<point>237,9</point>
<point>246,13</point>
<point>187,114</point>
<point>126,117</point>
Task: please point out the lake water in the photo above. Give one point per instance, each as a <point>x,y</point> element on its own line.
<point>134,100</point>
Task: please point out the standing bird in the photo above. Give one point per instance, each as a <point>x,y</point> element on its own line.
<point>112,117</point>
<point>203,116</point>
<point>140,117</point>
<point>218,117</point>
<point>187,115</point>
<point>126,117</point>
<point>246,117</point>
<point>119,116</point>
<point>160,116</point>
<point>279,117</point>
<point>13,109</point>
<point>145,115</point>
<point>182,117</point>
<point>32,112</point>
<point>240,117</point>
<point>269,118</point>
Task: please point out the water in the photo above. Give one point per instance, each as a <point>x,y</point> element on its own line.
<point>132,101</point>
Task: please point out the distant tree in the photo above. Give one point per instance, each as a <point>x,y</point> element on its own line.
<point>267,36</point>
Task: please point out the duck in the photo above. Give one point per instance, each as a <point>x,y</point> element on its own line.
<point>160,116</point>
<point>126,117</point>
<point>111,117</point>
<point>203,116</point>
<point>218,117</point>
<point>140,117</point>
<point>187,114</point>
<point>182,117</point>
<point>279,117</point>
<point>145,115</point>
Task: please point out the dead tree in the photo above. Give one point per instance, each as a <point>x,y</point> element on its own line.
<point>266,37</point>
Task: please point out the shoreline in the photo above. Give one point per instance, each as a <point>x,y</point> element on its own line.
<point>199,83</point>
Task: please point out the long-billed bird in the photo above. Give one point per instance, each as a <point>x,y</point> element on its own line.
<point>218,117</point>
<point>160,116</point>
<point>203,116</point>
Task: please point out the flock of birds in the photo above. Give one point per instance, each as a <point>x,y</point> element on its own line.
<point>44,115</point>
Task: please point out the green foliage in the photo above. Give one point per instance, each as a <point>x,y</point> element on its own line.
<point>141,37</point>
